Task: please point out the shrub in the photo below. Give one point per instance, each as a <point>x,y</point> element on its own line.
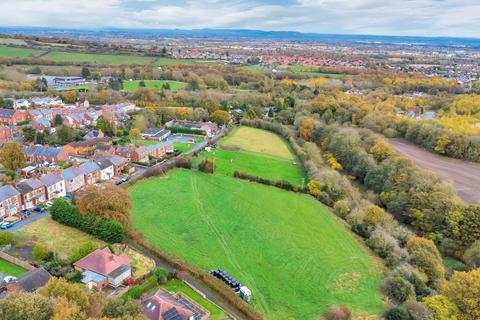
<point>381,243</point>
<point>110,231</point>
<point>162,275</point>
<point>442,307</point>
<point>397,313</point>
<point>40,252</point>
<point>397,288</point>
<point>373,215</point>
<point>7,238</point>
<point>207,166</point>
<point>418,311</point>
<point>341,208</point>
<point>338,313</point>
<point>472,255</point>
<point>82,251</point>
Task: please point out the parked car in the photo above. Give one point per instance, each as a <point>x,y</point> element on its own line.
<point>39,209</point>
<point>25,212</point>
<point>6,225</point>
<point>68,197</point>
<point>49,203</point>
<point>119,182</point>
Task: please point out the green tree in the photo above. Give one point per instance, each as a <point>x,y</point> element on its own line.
<point>428,259</point>
<point>463,289</point>
<point>73,292</point>
<point>135,135</point>
<point>472,255</point>
<point>442,307</point>
<point>58,120</point>
<point>12,156</point>
<point>142,84</point>
<point>220,117</point>
<point>85,72</point>
<point>373,215</point>
<point>463,224</point>
<point>398,289</point>
<point>21,306</point>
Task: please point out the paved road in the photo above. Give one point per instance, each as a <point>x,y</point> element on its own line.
<point>464,175</point>
<point>33,217</point>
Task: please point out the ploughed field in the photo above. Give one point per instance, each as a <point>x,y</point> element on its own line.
<point>294,255</point>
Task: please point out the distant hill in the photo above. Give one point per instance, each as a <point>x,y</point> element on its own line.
<point>245,34</point>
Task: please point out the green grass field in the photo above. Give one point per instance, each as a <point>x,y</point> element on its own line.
<point>294,255</point>
<point>11,269</point>
<point>256,164</point>
<point>19,42</point>
<point>97,58</point>
<point>172,61</point>
<point>176,286</point>
<point>134,85</point>
<point>259,141</point>
<point>10,52</point>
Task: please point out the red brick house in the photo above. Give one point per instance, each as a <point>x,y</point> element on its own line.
<point>10,201</point>
<point>39,154</point>
<point>11,116</point>
<point>33,193</point>
<point>5,134</point>
<point>86,147</point>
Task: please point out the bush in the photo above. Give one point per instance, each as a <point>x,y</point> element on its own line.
<point>472,255</point>
<point>397,313</point>
<point>40,252</point>
<point>338,313</point>
<point>110,231</point>
<point>381,243</point>
<point>84,250</point>
<point>418,311</point>
<point>162,275</point>
<point>397,288</point>
<point>207,166</point>
<point>6,238</point>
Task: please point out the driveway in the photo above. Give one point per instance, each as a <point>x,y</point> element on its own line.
<point>464,175</point>
<point>33,217</point>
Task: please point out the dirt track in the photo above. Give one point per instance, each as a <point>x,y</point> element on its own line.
<point>464,175</point>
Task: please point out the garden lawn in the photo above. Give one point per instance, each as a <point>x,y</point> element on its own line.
<point>97,58</point>
<point>11,269</point>
<point>183,147</point>
<point>227,162</point>
<point>257,140</point>
<point>295,256</point>
<point>134,85</point>
<point>10,52</point>
<point>175,286</point>
<point>56,237</point>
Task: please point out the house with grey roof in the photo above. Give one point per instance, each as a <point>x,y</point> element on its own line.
<point>107,170</point>
<point>74,179</point>
<point>155,134</point>
<point>10,201</point>
<point>54,185</point>
<point>41,154</point>
<point>91,172</point>
<point>29,281</point>
<point>33,193</point>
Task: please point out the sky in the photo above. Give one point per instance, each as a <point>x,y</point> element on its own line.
<point>458,18</point>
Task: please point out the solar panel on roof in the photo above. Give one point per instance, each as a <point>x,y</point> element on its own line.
<point>172,314</point>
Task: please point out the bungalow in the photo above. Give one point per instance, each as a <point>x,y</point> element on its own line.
<point>30,281</point>
<point>33,193</point>
<point>163,306</point>
<point>54,186</point>
<point>101,268</point>
<point>10,201</point>
<point>11,116</point>
<point>155,134</point>
<point>91,172</point>
<point>107,170</point>
<point>40,154</point>
<point>86,147</point>
<point>209,128</point>
<point>74,179</point>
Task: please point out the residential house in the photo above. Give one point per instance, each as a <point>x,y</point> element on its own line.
<point>46,102</point>
<point>68,81</point>
<point>163,306</point>
<point>209,128</point>
<point>54,186</point>
<point>74,179</point>
<point>101,268</point>
<point>107,170</point>
<point>91,172</point>
<point>82,103</point>
<point>155,134</point>
<point>48,114</point>
<point>125,152</point>
<point>159,150</point>
<point>41,154</point>
<point>33,192</point>
<point>86,147</point>
<point>5,134</point>
<point>94,134</point>
<point>11,116</point>
<point>104,149</point>
<point>10,201</point>
<point>41,124</point>
<point>30,281</point>
<point>21,104</point>
<point>119,163</point>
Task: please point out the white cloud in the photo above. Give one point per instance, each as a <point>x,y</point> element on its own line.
<point>407,17</point>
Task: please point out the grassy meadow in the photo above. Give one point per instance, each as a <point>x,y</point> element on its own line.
<point>11,52</point>
<point>134,85</point>
<point>294,255</point>
<point>97,58</point>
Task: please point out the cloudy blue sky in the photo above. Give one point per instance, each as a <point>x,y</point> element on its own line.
<point>390,17</point>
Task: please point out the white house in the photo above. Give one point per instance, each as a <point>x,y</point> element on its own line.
<point>74,179</point>
<point>107,170</point>
<point>55,186</point>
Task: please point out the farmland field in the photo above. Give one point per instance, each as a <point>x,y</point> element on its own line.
<point>256,164</point>
<point>259,141</point>
<point>173,61</point>
<point>294,255</point>
<point>97,58</point>
<point>10,52</point>
<point>134,85</point>
<point>11,269</point>
<point>20,42</point>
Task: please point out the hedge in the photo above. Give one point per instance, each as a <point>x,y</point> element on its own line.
<point>110,231</point>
